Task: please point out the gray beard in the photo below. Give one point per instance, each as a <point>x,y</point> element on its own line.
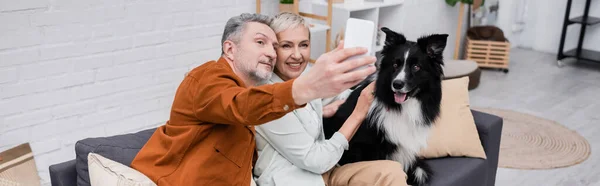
<point>257,78</point>
<point>253,74</point>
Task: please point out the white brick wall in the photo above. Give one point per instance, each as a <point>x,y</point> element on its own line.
<point>72,69</point>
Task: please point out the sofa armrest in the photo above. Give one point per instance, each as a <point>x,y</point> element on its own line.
<point>489,128</point>
<point>63,174</point>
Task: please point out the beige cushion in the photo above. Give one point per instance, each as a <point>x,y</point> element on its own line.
<point>454,132</point>
<point>106,172</point>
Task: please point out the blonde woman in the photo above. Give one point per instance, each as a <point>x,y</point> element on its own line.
<point>293,150</point>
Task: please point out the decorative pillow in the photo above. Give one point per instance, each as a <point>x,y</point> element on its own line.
<point>454,132</point>
<point>105,172</point>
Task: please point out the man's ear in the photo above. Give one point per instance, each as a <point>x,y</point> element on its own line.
<point>434,44</point>
<point>393,38</point>
<point>229,49</point>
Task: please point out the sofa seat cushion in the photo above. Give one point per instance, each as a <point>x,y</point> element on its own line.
<point>457,171</point>
<point>120,148</point>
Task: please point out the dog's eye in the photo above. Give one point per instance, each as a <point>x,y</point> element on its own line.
<point>395,65</point>
<point>416,68</point>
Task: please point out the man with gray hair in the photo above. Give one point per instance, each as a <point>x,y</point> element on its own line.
<point>209,138</point>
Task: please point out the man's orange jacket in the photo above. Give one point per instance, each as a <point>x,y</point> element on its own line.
<point>209,138</point>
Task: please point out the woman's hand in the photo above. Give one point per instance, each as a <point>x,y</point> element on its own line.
<point>367,95</point>
<point>360,112</point>
<point>331,109</point>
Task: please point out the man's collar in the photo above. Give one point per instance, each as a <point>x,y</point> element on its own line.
<point>225,63</point>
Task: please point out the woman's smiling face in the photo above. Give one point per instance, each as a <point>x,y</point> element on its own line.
<point>293,53</point>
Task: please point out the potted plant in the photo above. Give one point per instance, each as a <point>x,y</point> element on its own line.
<point>286,5</point>
<point>475,3</point>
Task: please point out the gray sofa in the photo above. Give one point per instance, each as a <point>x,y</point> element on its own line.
<point>449,171</point>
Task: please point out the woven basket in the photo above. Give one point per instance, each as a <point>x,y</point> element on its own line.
<point>17,167</point>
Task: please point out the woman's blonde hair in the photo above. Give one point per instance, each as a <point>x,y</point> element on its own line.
<point>286,20</point>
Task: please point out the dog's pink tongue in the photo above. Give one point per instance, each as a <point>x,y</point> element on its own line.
<point>399,97</point>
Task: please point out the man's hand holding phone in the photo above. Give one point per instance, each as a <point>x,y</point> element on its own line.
<point>332,73</point>
<point>341,68</point>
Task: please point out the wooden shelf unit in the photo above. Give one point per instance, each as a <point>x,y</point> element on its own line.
<point>315,28</point>
<point>387,13</point>
<point>579,53</point>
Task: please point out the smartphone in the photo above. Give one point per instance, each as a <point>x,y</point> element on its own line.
<point>359,33</point>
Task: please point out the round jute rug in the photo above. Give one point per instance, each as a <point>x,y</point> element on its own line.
<point>530,142</point>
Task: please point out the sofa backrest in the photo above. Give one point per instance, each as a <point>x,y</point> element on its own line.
<point>120,148</point>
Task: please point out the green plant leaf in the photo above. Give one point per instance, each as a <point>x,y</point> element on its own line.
<point>286,1</point>
<point>451,2</point>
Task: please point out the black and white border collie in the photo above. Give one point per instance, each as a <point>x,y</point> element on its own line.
<point>407,102</point>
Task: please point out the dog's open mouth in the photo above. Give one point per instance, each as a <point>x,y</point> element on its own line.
<point>400,97</point>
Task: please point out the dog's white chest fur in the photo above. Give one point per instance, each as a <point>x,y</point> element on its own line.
<point>406,129</point>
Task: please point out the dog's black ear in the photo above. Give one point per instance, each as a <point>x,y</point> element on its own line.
<point>434,44</point>
<point>393,38</point>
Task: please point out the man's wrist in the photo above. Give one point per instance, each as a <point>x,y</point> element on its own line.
<point>300,92</point>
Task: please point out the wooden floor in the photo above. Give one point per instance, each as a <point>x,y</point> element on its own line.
<point>569,95</point>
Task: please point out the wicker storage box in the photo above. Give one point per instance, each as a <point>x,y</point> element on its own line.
<point>488,47</point>
<point>490,54</point>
